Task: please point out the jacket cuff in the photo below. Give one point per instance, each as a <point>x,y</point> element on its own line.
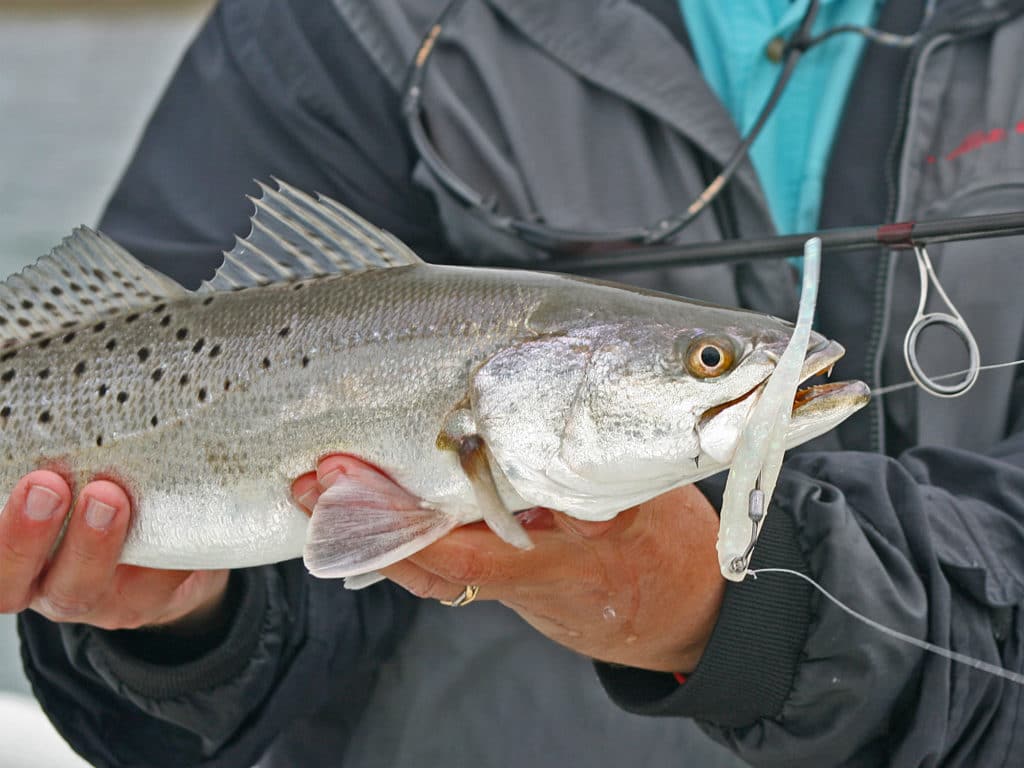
<point>158,665</point>
<point>754,649</point>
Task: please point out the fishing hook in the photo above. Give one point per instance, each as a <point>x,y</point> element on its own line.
<point>755,511</point>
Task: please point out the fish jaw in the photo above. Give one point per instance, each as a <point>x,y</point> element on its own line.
<point>816,409</point>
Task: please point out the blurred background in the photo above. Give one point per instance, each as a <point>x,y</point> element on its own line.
<point>77,81</point>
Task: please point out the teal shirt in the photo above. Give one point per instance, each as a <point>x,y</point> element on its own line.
<point>791,154</point>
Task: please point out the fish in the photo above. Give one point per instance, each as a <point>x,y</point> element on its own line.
<point>477,392</point>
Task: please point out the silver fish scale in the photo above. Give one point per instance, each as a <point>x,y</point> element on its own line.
<point>207,407</point>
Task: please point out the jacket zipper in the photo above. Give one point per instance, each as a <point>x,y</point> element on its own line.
<point>883,275</point>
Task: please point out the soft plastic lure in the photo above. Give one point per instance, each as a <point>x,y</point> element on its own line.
<point>759,452</point>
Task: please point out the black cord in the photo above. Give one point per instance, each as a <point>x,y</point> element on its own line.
<point>798,43</point>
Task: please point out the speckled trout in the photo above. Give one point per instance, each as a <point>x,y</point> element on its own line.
<point>480,392</point>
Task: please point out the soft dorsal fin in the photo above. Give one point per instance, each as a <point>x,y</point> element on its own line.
<point>295,237</point>
<point>86,277</point>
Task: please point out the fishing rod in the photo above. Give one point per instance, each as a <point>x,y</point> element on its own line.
<point>904,235</point>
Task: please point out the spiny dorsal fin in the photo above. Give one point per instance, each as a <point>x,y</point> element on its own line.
<point>295,237</point>
<point>86,277</point>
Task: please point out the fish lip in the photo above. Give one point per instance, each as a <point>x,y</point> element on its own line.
<point>854,394</point>
<point>819,359</point>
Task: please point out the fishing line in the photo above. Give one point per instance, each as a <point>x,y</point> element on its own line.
<point>908,384</point>
<point>924,645</point>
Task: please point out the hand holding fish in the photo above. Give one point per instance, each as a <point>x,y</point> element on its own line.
<point>83,582</point>
<point>642,589</point>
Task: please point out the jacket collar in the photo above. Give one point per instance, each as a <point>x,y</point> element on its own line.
<point>618,46</point>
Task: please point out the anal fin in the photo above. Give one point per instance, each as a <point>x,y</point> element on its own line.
<point>365,521</point>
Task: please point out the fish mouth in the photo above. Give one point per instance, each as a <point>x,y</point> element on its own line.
<point>821,401</point>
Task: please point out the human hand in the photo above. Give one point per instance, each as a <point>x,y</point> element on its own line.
<point>643,589</point>
<point>82,581</point>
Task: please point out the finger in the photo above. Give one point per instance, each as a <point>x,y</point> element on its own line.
<point>81,573</point>
<point>474,555</point>
<point>423,583</point>
<point>145,597</point>
<point>29,526</point>
<point>305,491</point>
<point>139,597</point>
<point>586,529</point>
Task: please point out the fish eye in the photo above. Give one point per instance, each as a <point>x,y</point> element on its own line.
<point>709,356</point>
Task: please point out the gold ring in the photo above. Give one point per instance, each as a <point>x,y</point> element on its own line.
<point>468,596</point>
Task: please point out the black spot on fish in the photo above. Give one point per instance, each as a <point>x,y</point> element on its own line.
<point>86,301</point>
<point>93,288</point>
<point>154,421</point>
<point>227,384</point>
<point>102,391</point>
<point>198,346</point>
<point>116,273</point>
<point>157,374</point>
<point>183,380</point>
<point>122,397</point>
<point>132,317</point>
<point>111,344</point>
<point>44,417</point>
<point>165,320</point>
<point>49,306</point>
<point>298,286</point>
<point>57,290</point>
<point>8,355</point>
<point>3,320</point>
<point>44,343</point>
<point>99,441</point>
<point>159,308</point>
<point>100,326</point>
<point>215,350</point>
<point>266,362</point>
<point>208,301</point>
<point>143,354</point>
<point>182,334</point>
<point>305,361</point>
<point>284,331</point>
<point>68,337</point>
<point>69,323</point>
<point>79,368</point>
<point>75,287</point>
<point>202,394</point>
<point>7,376</point>
<point>5,413</point>
<point>44,373</point>
<point>24,322</point>
<point>98,274</point>
<point>26,304</point>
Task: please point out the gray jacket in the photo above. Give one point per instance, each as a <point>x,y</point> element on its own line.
<point>593,114</point>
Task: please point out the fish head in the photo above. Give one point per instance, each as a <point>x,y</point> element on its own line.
<point>616,410</point>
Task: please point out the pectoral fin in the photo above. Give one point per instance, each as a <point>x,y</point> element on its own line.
<point>363,580</point>
<point>473,459</point>
<point>365,521</point>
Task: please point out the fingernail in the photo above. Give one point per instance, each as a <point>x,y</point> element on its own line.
<point>308,499</point>
<point>98,515</point>
<point>328,480</point>
<point>41,503</point>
